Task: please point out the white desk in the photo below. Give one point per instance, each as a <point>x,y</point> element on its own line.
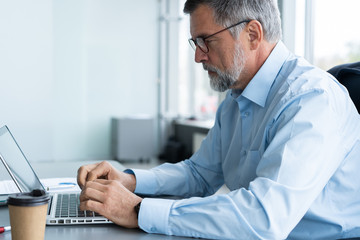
<point>88,232</point>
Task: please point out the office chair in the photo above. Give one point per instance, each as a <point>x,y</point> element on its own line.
<point>349,76</point>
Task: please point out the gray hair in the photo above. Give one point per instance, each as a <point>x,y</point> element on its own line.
<point>228,12</point>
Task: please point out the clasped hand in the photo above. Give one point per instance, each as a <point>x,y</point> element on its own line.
<point>109,192</point>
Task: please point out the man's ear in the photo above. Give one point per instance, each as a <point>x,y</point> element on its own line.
<point>255,34</point>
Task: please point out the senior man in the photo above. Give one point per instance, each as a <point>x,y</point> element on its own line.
<point>285,142</point>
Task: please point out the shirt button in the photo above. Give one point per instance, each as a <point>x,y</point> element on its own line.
<point>153,229</point>
<point>246,114</point>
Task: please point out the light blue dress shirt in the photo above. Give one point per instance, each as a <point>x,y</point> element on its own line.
<point>288,149</point>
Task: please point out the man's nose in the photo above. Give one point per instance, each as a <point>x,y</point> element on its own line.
<point>200,56</point>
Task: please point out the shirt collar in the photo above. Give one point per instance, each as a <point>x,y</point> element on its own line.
<point>258,88</point>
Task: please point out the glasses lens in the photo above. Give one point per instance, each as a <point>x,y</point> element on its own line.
<point>192,44</point>
<point>201,44</point>
<point>198,42</point>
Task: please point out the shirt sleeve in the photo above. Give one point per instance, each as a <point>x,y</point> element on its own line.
<point>213,217</point>
<point>145,181</point>
<point>201,175</point>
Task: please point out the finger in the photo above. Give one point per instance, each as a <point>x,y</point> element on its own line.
<point>83,172</point>
<point>101,170</point>
<point>99,184</point>
<point>92,206</point>
<point>92,193</point>
<point>104,185</point>
<point>102,181</point>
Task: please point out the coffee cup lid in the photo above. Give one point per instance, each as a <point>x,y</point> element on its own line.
<point>33,198</point>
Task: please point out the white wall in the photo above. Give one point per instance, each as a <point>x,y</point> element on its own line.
<point>68,66</point>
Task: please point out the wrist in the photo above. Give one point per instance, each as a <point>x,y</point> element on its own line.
<point>131,180</point>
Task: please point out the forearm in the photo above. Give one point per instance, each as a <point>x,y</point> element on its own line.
<point>267,210</point>
<point>214,217</point>
<point>181,179</point>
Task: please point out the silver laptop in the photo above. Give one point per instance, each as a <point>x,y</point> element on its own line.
<point>63,208</point>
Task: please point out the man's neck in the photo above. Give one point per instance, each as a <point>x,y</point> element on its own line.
<point>254,64</point>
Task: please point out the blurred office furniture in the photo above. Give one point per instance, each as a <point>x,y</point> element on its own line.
<point>349,76</point>
<point>133,138</point>
<point>188,135</point>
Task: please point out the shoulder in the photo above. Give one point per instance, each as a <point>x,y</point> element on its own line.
<point>301,86</point>
<point>298,77</point>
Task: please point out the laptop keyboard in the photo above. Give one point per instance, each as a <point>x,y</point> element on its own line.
<point>68,206</point>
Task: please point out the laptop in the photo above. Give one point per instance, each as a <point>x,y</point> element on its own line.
<point>63,207</point>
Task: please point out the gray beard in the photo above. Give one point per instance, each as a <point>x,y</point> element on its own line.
<point>224,80</point>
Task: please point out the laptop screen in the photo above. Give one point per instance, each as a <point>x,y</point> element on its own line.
<point>16,163</point>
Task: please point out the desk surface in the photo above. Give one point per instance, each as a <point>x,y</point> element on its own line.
<point>89,232</point>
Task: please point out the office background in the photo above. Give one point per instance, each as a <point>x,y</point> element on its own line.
<point>68,66</point>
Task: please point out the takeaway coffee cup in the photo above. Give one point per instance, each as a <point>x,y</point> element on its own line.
<point>28,215</point>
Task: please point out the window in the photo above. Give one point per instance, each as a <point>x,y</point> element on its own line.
<point>323,31</point>
<point>336,34</point>
<point>184,88</point>
<point>196,98</point>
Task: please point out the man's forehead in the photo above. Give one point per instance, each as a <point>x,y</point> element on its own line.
<point>202,21</point>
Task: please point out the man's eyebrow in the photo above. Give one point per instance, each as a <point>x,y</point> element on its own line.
<point>202,36</point>
<point>199,36</point>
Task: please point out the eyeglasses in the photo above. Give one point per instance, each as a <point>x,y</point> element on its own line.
<point>201,43</point>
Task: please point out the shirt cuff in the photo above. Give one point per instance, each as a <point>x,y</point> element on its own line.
<point>154,215</point>
<point>145,181</point>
